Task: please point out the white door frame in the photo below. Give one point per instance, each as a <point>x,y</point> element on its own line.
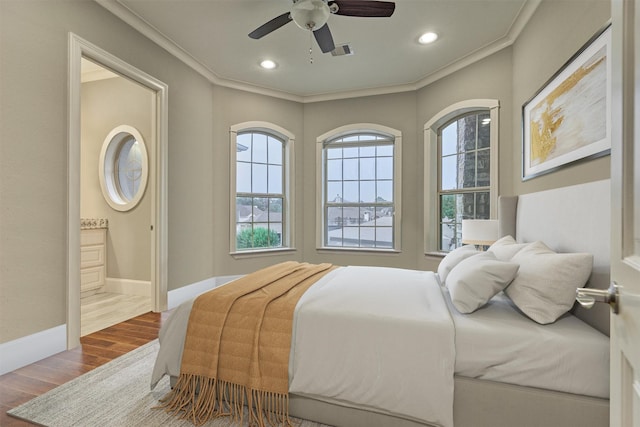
<point>79,48</point>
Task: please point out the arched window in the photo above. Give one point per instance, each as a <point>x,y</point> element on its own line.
<point>260,205</point>
<point>461,170</point>
<point>359,188</point>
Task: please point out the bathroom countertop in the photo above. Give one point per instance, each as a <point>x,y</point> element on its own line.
<point>93,223</point>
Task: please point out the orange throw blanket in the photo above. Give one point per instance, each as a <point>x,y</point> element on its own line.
<point>237,346</point>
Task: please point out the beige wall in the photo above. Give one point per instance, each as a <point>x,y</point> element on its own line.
<point>33,138</point>
<point>33,156</point>
<point>397,111</point>
<point>106,104</point>
<point>486,79</point>
<point>554,34</point>
<point>233,107</point>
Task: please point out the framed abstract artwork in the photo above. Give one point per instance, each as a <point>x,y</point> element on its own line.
<point>568,119</point>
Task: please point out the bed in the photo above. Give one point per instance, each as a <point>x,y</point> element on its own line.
<point>493,366</point>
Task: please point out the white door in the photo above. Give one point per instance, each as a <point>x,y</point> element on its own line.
<point>625,227</point>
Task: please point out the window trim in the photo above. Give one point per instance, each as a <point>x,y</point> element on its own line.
<point>108,168</point>
<point>431,157</point>
<point>341,131</point>
<point>288,222</point>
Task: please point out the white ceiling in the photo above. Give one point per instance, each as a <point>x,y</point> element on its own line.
<point>90,72</point>
<point>212,35</point>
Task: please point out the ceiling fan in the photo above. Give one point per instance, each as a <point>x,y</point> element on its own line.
<point>312,15</point>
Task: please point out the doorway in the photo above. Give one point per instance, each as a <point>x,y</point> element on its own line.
<point>147,275</point>
<point>115,208</point>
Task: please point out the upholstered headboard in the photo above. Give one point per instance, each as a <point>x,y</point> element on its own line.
<point>567,219</point>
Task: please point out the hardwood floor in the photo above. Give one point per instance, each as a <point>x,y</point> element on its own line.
<point>96,349</point>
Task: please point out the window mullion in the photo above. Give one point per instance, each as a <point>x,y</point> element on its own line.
<point>263,208</point>
<point>462,129</point>
<point>340,230</point>
<point>465,190</point>
<point>261,195</point>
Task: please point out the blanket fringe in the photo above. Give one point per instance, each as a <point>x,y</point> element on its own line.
<point>200,399</point>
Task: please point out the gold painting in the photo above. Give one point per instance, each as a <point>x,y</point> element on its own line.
<point>568,119</point>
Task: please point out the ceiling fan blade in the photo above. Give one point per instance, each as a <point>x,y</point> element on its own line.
<point>324,39</point>
<point>270,26</point>
<point>364,8</point>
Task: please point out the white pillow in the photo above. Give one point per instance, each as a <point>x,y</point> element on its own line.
<point>453,258</point>
<point>545,287</point>
<point>505,248</point>
<point>474,281</point>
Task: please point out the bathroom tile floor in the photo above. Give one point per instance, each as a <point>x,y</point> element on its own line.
<point>102,310</point>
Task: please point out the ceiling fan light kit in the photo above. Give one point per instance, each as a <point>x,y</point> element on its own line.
<point>310,14</point>
<point>313,15</point>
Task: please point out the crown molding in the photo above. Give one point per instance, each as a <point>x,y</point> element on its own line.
<point>526,12</point>
<point>524,15</point>
<point>155,35</point>
<point>357,93</point>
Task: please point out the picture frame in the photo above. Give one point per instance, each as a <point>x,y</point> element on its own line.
<point>568,119</point>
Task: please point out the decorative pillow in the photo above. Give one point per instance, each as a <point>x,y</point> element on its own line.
<point>474,281</point>
<point>453,258</point>
<point>505,248</point>
<point>545,287</point>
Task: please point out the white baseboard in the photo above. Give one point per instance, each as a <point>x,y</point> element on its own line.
<point>128,287</point>
<point>185,293</point>
<point>26,350</point>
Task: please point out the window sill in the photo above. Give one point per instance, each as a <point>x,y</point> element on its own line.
<point>436,254</point>
<point>358,250</point>
<point>261,253</point>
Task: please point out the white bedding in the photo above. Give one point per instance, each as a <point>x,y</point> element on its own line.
<point>376,338</point>
<point>499,343</point>
<point>383,339</point>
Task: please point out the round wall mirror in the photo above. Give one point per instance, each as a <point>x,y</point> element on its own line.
<point>123,168</point>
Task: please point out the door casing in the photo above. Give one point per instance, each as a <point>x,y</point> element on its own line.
<point>79,48</point>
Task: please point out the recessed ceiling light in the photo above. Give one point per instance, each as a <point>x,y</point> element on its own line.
<point>268,64</point>
<point>427,38</point>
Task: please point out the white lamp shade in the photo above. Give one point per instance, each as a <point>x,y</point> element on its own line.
<point>479,231</point>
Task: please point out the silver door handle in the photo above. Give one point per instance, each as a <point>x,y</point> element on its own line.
<point>588,297</point>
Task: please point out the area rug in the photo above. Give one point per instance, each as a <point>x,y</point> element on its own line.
<point>116,394</point>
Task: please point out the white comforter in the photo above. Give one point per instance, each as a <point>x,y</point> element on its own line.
<point>368,337</point>
<point>379,338</point>
<point>498,343</point>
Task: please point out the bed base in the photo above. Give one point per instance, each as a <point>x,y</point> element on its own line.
<point>477,403</point>
<point>489,403</point>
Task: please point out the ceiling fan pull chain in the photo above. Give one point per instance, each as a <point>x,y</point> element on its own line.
<point>310,47</point>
